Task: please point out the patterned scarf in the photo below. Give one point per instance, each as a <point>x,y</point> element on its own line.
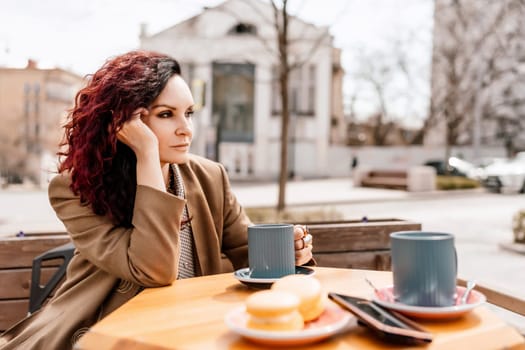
<point>186,262</point>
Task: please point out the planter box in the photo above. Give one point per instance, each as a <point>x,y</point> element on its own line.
<point>356,244</point>
<point>16,258</point>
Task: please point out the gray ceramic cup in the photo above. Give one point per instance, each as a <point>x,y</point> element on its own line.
<point>424,265</point>
<point>271,252</point>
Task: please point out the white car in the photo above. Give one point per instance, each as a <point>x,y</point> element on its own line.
<point>505,175</point>
<point>470,170</point>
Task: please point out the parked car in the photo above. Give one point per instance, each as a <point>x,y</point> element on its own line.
<point>505,175</point>
<point>455,167</point>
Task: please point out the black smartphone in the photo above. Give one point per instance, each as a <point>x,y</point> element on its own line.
<point>389,325</point>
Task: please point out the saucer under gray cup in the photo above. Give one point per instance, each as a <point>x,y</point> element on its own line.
<point>424,265</point>
<point>271,251</point>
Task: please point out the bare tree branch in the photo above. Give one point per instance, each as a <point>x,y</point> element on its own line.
<point>471,65</point>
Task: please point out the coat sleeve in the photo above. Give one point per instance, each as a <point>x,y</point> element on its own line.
<point>235,227</point>
<point>145,254</point>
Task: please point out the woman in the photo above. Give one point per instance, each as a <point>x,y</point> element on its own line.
<point>134,224</point>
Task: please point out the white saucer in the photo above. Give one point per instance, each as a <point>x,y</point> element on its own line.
<point>331,321</point>
<point>243,275</point>
<point>385,298</point>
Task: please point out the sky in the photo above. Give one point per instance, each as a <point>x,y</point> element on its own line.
<point>79,35</point>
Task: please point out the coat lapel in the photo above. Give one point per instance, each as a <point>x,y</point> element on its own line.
<point>207,245</point>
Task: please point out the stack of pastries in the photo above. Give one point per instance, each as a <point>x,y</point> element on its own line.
<point>292,301</point>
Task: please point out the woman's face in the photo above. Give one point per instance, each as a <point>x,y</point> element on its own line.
<point>170,119</point>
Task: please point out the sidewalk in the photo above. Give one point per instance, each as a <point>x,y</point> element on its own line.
<point>310,192</point>
<point>29,210</point>
<point>326,191</point>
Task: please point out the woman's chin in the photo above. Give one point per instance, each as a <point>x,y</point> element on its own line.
<point>178,159</point>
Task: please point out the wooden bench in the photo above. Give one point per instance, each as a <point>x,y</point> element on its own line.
<point>356,244</point>
<point>16,259</point>
<point>392,179</point>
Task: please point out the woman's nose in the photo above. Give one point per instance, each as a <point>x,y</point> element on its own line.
<point>184,127</point>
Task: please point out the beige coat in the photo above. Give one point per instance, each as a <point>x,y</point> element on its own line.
<point>111,264</point>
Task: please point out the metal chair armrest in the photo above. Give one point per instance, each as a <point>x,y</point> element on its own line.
<point>39,293</point>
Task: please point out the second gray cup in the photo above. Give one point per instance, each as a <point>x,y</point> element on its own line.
<point>271,251</point>
<point>424,265</point>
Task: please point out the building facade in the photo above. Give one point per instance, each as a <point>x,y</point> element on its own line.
<point>478,75</point>
<point>33,106</point>
<point>229,57</point>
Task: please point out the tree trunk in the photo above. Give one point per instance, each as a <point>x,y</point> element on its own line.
<point>282,37</point>
<point>283,175</point>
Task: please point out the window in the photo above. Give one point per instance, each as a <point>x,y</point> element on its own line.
<point>301,90</point>
<point>243,29</point>
<point>294,85</point>
<point>310,99</point>
<point>233,101</point>
<point>276,91</point>
<point>56,90</point>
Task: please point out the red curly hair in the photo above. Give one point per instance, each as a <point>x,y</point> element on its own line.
<point>103,169</point>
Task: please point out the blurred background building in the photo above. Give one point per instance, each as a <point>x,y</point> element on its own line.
<point>475,107</point>
<point>229,55</point>
<point>478,75</point>
<point>33,105</point>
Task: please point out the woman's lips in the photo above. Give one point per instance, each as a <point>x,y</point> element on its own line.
<point>182,147</point>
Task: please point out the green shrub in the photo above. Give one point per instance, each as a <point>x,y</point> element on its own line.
<point>270,215</point>
<point>455,183</point>
<point>518,226</point>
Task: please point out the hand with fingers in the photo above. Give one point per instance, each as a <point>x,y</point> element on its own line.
<point>137,135</point>
<point>303,245</point>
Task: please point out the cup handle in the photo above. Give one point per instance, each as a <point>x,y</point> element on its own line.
<point>456,257</point>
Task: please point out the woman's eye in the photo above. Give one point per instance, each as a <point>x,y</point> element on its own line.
<point>165,114</point>
<point>189,114</point>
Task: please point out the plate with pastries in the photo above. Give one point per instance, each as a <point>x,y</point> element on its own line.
<point>294,311</point>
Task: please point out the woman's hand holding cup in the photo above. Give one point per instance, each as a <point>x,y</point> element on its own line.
<point>302,244</point>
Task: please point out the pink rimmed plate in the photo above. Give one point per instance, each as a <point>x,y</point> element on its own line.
<point>332,321</point>
<point>385,298</point>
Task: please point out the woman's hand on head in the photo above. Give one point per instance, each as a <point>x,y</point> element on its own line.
<point>303,245</point>
<point>143,141</point>
<point>137,135</point>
